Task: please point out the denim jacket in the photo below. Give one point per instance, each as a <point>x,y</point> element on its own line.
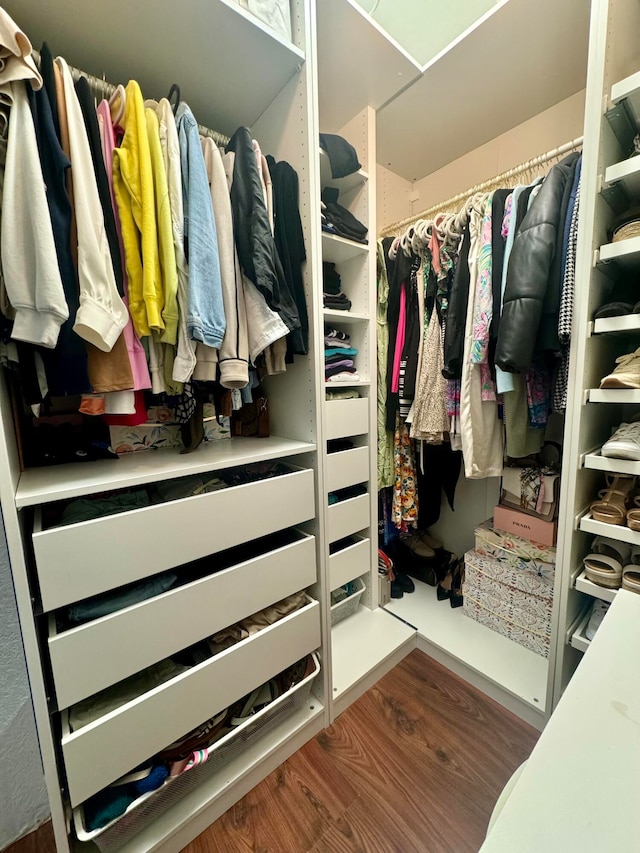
<point>205,318</point>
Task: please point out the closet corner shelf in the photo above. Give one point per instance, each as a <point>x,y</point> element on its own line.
<point>625,253</point>
<point>60,482</point>
<point>583,584</point>
<point>337,249</point>
<point>626,173</point>
<point>620,532</point>
<point>347,184</point>
<point>597,462</point>
<point>514,669</point>
<point>345,316</point>
<point>579,639</point>
<point>614,395</point>
<point>363,642</point>
<point>361,383</point>
<point>627,323</point>
<point>628,90</point>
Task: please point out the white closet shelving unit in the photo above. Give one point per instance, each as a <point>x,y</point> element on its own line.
<point>368,642</point>
<point>609,186</point>
<point>270,89</point>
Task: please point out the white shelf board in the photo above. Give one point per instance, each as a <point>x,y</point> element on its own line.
<point>626,323</point>
<point>191,814</point>
<point>338,249</point>
<point>625,253</point>
<point>620,532</point>
<point>513,668</point>
<point>60,482</point>
<point>626,173</point>
<point>579,638</point>
<point>343,316</point>
<point>347,184</point>
<point>583,584</point>
<point>199,38</point>
<point>614,395</point>
<point>628,90</point>
<point>597,462</point>
<point>361,383</point>
<point>361,643</point>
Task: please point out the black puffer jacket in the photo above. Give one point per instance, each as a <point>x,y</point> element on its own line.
<point>529,321</point>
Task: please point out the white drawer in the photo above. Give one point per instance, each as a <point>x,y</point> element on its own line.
<point>350,563</point>
<point>347,467</point>
<point>348,517</point>
<point>85,559</point>
<point>347,417</point>
<point>101,752</point>
<point>132,639</point>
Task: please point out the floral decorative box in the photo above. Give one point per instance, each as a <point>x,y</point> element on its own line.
<point>161,431</point>
<point>509,597</point>
<point>503,571</point>
<point>519,553</point>
<point>534,642</point>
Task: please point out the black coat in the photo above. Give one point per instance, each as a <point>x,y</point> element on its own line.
<point>529,322</point>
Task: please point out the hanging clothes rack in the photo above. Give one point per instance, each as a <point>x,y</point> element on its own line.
<point>102,89</point>
<point>454,203</point>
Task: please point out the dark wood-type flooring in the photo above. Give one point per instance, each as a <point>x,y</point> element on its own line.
<point>414,766</point>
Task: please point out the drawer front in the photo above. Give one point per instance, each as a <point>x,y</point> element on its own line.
<point>350,563</point>
<point>85,559</point>
<point>347,417</point>
<point>347,468</point>
<point>98,754</point>
<point>136,637</point>
<point>348,517</point>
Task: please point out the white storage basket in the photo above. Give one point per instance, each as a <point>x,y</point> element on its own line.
<point>348,606</point>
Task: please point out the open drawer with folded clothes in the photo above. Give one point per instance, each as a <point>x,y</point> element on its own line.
<point>116,813</point>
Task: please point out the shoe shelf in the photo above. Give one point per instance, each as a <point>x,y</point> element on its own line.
<point>613,395</point>
<point>597,462</point>
<point>60,482</point>
<point>625,174</point>
<point>583,584</point>
<point>578,639</point>
<point>620,532</point>
<point>338,249</point>
<point>347,184</point>
<point>611,325</point>
<point>343,316</point>
<point>624,253</point>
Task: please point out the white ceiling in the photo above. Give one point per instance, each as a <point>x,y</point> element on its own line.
<point>524,58</point>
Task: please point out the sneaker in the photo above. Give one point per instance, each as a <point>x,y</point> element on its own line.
<point>624,443</point>
<point>595,620</point>
<point>626,374</point>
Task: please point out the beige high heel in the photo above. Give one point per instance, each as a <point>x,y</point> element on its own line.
<point>633,515</point>
<point>612,506</point>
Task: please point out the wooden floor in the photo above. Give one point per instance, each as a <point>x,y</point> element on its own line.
<point>414,766</point>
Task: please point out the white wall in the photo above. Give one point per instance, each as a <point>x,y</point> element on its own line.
<point>398,199</point>
<point>23,797</point>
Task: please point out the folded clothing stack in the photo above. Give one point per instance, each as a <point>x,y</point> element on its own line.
<point>332,295</point>
<point>336,219</point>
<point>339,365</point>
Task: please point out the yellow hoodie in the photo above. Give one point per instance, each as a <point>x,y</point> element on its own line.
<point>168,267</point>
<point>133,185</point>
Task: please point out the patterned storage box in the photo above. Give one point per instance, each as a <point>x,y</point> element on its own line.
<point>514,551</point>
<point>515,603</point>
<point>161,431</point>
<point>534,642</point>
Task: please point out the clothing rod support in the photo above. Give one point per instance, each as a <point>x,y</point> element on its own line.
<point>102,89</point>
<point>455,201</point>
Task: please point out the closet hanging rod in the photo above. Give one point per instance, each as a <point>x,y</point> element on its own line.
<point>453,203</point>
<point>103,89</point>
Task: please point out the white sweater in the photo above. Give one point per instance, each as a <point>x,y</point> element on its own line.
<point>102,315</point>
<point>29,260</point>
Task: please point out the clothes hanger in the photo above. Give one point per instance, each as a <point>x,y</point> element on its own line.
<point>117,104</point>
<point>174,90</point>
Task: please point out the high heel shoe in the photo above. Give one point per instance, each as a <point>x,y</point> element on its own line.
<point>445,586</point>
<point>456,598</point>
